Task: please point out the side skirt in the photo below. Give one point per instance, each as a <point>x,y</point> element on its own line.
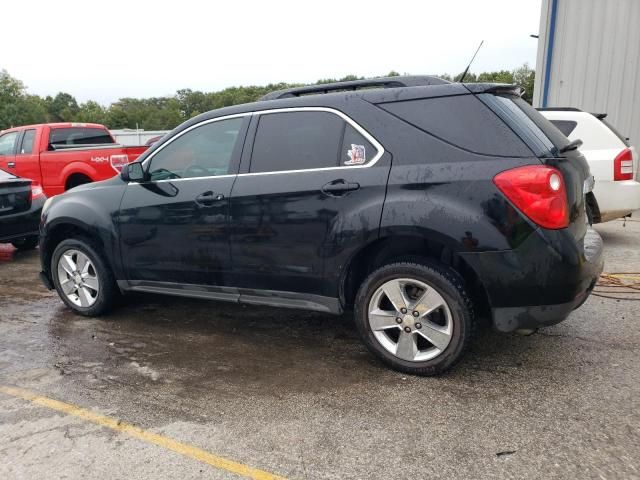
<point>270,298</point>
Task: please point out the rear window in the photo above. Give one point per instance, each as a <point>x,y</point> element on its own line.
<point>623,139</point>
<point>79,136</point>
<point>537,132</point>
<point>565,126</point>
<point>462,121</point>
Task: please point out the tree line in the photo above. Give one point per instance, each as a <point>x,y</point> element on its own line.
<point>18,107</point>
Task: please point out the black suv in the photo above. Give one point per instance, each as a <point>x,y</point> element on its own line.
<point>418,203</point>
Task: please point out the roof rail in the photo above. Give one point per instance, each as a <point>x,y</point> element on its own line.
<point>381,82</point>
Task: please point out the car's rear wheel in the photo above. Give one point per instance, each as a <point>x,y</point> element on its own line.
<point>26,243</point>
<point>82,278</point>
<point>417,318</point>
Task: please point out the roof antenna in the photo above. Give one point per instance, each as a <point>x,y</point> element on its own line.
<point>466,70</point>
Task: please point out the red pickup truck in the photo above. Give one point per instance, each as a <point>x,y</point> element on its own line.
<point>60,156</point>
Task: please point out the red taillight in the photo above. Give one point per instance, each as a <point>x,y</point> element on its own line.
<point>119,161</point>
<point>36,191</point>
<point>538,192</point>
<point>623,165</point>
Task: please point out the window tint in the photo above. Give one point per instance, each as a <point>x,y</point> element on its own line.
<point>59,137</point>
<point>202,152</point>
<point>296,141</point>
<point>565,126</point>
<point>356,150</point>
<point>7,143</point>
<point>537,132</point>
<point>27,142</point>
<point>463,121</point>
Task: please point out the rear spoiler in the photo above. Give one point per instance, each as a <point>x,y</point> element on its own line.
<point>496,88</point>
<point>599,116</point>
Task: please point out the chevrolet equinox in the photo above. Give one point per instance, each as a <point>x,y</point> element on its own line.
<point>418,204</point>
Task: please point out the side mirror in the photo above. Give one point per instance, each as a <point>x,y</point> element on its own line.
<point>133,172</point>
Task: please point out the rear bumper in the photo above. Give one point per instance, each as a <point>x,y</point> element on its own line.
<point>23,224</point>
<point>616,199</point>
<point>542,281</point>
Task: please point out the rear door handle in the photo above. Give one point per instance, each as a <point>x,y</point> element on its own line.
<point>339,187</point>
<point>11,164</point>
<point>209,198</point>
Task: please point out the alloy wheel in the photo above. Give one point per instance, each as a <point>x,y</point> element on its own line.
<point>78,278</point>
<point>410,319</point>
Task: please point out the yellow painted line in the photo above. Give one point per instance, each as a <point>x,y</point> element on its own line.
<point>137,432</point>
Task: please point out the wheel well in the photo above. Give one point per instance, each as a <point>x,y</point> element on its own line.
<point>594,209</point>
<point>393,249</point>
<point>76,179</point>
<point>63,232</point>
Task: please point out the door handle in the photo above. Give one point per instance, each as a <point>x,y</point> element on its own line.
<point>209,198</point>
<point>339,187</point>
<point>11,164</point>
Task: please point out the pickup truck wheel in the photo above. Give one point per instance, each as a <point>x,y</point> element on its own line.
<point>417,318</point>
<point>26,243</point>
<point>82,278</point>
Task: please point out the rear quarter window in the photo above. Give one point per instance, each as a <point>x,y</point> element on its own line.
<point>463,121</point>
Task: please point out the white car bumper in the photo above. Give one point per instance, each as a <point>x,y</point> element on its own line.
<point>616,199</point>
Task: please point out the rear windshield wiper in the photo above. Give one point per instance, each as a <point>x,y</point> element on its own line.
<point>571,145</point>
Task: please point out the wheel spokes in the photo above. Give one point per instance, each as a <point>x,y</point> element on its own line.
<point>435,335</point>
<point>382,320</point>
<point>429,301</point>
<point>85,297</point>
<point>91,282</point>
<point>394,291</point>
<point>406,348</point>
<point>67,264</point>
<point>82,263</point>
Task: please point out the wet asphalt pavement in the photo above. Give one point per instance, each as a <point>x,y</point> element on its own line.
<point>296,394</point>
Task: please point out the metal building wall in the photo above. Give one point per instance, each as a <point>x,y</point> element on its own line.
<point>589,58</point>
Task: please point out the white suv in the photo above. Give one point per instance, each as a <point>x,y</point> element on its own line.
<point>613,161</point>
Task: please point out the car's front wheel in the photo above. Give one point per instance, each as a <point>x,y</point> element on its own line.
<point>82,278</point>
<point>415,317</point>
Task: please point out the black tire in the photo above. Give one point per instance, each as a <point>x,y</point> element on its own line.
<point>444,281</point>
<point>108,291</point>
<point>76,180</point>
<point>26,243</point>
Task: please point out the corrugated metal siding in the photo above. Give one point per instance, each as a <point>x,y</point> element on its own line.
<point>595,64</point>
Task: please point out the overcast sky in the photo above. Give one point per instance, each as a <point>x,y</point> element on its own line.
<point>111,49</point>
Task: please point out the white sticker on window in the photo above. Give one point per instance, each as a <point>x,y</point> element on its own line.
<point>357,155</point>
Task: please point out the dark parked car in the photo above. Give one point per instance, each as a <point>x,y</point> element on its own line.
<point>418,203</point>
<point>20,207</point>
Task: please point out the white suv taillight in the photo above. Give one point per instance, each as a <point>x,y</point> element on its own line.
<point>623,165</point>
<point>119,161</point>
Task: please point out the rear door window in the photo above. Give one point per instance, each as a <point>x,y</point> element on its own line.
<point>297,141</point>
<point>26,148</point>
<point>71,136</point>
<point>8,143</point>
